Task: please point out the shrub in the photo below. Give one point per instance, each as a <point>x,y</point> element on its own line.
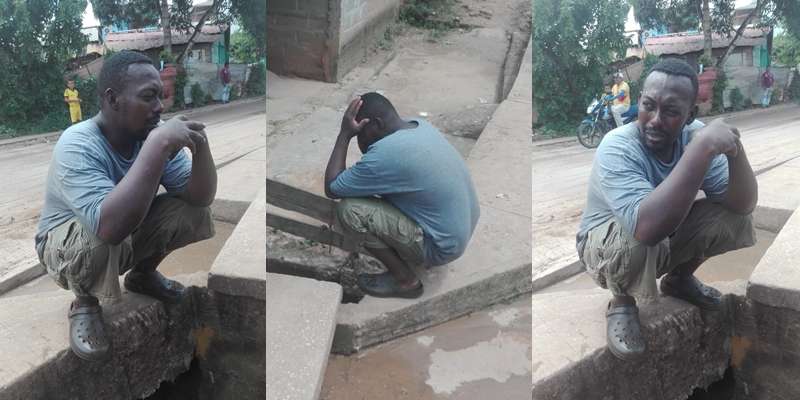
<point>719,89</point>
<point>198,96</point>
<point>257,82</point>
<point>737,99</point>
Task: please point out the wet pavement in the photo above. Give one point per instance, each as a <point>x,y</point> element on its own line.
<point>484,355</point>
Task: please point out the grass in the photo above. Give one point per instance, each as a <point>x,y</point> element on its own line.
<point>438,17</point>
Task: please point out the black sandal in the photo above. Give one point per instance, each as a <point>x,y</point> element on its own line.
<point>87,336</point>
<point>154,284</point>
<point>384,285</point>
<point>623,332</point>
<point>690,289</point>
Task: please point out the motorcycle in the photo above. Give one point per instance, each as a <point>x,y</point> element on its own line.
<point>600,121</point>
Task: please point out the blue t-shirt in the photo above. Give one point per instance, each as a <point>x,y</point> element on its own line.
<point>420,173</point>
<point>83,171</point>
<point>625,172</point>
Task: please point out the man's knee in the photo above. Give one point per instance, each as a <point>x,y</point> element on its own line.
<point>92,260</point>
<point>634,262</point>
<point>348,214</point>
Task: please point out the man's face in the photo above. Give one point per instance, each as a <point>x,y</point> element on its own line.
<point>666,103</point>
<point>617,79</point>
<point>71,84</point>
<point>140,101</point>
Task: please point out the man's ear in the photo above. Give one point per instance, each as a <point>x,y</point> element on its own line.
<point>692,114</point>
<point>111,98</point>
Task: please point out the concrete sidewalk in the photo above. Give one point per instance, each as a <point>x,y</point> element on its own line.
<point>561,173</point>
<point>496,265</point>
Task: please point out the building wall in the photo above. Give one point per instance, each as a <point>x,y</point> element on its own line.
<point>324,39</point>
<point>302,37</point>
<point>363,23</point>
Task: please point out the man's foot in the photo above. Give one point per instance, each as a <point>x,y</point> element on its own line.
<point>690,289</point>
<point>623,331</point>
<point>153,284</point>
<point>385,285</point>
<point>87,336</point>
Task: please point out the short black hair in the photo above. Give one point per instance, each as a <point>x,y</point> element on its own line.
<point>375,106</point>
<point>115,70</point>
<point>678,67</point>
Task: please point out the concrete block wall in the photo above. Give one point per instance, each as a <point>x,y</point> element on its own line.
<point>303,38</point>
<point>324,39</point>
<point>363,23</point>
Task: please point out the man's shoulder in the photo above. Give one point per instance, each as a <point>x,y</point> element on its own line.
<point>83,135</point>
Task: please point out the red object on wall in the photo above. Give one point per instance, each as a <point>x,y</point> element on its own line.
<point>706,82</point>
<point>168,75</point>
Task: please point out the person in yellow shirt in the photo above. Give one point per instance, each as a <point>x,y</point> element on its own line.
<point>73,101</point>
<point>622,98</point>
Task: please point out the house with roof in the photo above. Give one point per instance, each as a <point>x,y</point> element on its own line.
<point>743,67</point>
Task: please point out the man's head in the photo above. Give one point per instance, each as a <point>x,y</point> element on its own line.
<point>71,83</point>
<point>666,104</point>
<point>383,119</point>
<point>130,89</point>
<point>618,78</point>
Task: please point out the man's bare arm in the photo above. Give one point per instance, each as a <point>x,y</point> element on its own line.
<point>664,209</point>
<point>742,194</point>
<point>202,186</point>
<point>127,204</point>
<point>338,159</point>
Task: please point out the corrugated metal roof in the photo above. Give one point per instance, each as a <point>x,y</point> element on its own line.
<point>682,43</point>
<point>144,40</point>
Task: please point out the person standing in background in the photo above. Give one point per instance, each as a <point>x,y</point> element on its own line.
<point>73,101</point>
<point>225,77</point>
<point>767,80</point>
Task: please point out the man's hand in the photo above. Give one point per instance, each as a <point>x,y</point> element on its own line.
<point>351,127</point>
<point>720,138</point>
<point>177,133</point>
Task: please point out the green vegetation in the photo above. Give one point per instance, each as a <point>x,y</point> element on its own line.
<point>569,59</point>
<point>786,50</point>
<point>37,38</point>
<point>437,16</point>
<point>717,105</point>
<point>180,84</point>
<point>256,85</point>
<point>794,88</point>
<point>738,101</point>
<point>198,95</point>
<point>244,48</point>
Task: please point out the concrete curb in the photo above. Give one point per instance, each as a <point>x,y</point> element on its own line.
<point>240,267</point>
<point>776,281</point>
<point>686,348</point>
<point>51,136</point>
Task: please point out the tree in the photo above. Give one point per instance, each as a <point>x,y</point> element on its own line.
<point>787,50</point>
<point>716,16</point>
<point>250,14</point>
<point>573,42</point>
<point>178,16</point>
<point>37,38</point>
